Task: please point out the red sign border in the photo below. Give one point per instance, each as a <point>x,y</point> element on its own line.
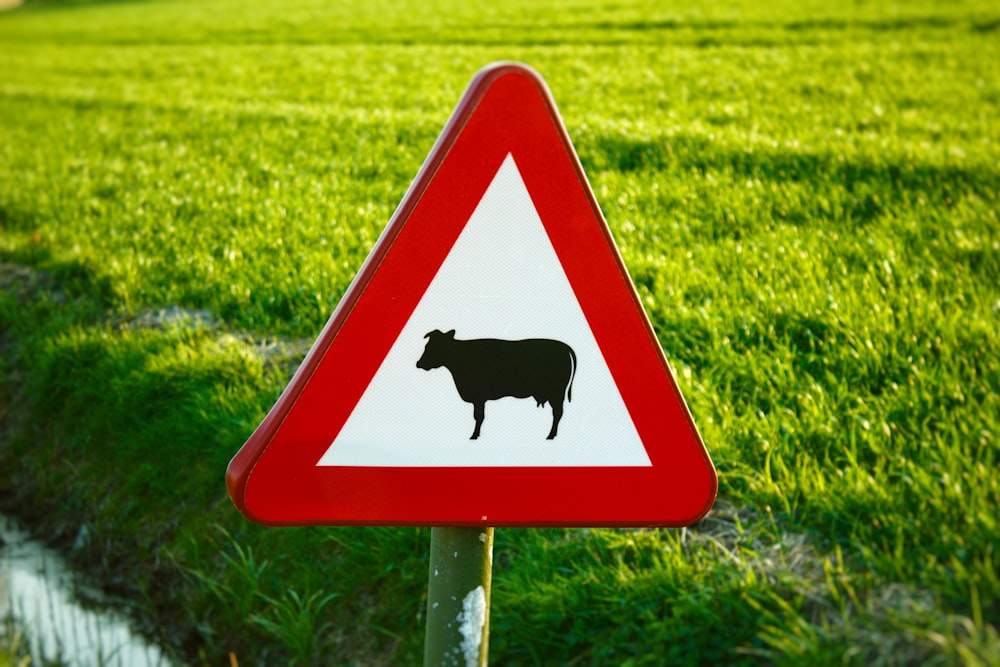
<point>273,479</point>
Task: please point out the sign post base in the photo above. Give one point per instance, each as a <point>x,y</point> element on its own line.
<point>458,597</point>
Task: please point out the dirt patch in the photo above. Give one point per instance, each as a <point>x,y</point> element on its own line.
<point>174,316</point>
<point>22,282</point>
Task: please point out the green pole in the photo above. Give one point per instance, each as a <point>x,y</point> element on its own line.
<point>458,597</point>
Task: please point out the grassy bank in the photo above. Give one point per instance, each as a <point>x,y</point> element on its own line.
<point>806,197</point>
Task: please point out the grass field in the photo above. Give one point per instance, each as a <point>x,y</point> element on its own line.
<point>805,195</point>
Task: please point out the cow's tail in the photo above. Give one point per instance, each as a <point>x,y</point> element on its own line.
<point>572,374</point>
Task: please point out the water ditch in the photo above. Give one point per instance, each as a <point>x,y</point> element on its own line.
<point>62,617</point>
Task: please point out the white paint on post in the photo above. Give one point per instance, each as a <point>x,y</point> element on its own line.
<point>472,619</point>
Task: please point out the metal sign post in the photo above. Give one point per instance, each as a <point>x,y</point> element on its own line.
<point>458,597</point>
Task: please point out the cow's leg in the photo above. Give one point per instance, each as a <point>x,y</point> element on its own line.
<point>479,412</point>
<point>557,413</point>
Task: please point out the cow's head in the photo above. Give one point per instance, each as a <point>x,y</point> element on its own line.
<point>437,352</point>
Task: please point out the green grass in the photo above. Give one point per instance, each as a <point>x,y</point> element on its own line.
<point>806,196</point>
<point>11,647</point>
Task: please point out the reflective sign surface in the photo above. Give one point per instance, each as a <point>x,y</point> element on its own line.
<point>491,364</point>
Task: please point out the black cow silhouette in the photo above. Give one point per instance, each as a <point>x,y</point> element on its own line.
<point>486,369</point>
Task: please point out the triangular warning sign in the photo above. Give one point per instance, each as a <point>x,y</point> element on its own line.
<point>491,363</point>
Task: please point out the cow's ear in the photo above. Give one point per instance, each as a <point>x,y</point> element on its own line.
<point>450,334</point>
<point>431,333</point>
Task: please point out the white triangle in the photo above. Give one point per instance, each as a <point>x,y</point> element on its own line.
<point>501,279</point>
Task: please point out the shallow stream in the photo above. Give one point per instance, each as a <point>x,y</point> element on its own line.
<point>42,596</point>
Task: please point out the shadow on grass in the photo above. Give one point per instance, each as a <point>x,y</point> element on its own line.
<point>56,5</point>
<point>874,25</point>
<point>859,189</point>
<point>696,152</point>
<point>33,272</point>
